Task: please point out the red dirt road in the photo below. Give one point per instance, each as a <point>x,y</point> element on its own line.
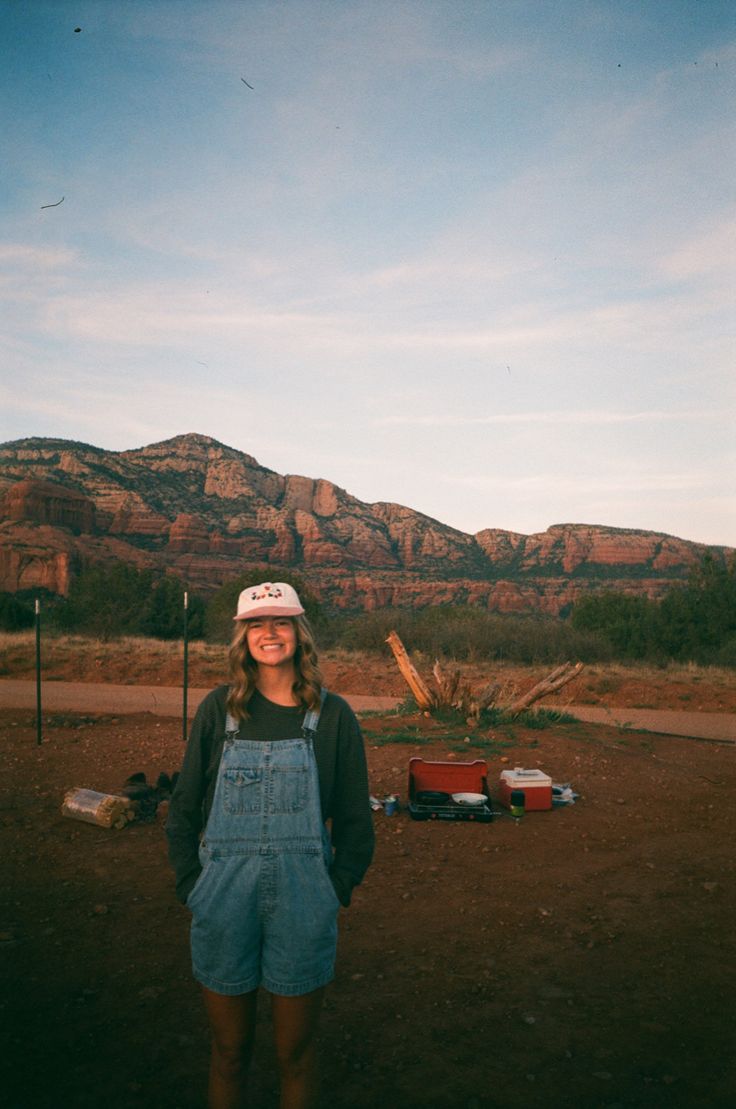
<point>160,700</point>
<point>167,701</point>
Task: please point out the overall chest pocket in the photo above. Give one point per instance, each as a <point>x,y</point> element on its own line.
<point>242,789</point>
<point>289,785</point>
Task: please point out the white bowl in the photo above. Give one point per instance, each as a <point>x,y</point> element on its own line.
<point>469,798</point>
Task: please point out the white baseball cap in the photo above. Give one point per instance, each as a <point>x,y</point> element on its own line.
<point>270,598</point>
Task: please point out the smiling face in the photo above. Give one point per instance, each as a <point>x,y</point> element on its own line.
<point>272,640</point>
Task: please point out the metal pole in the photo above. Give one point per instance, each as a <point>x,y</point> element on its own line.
<point>39,739</point>
<point>186,667</point>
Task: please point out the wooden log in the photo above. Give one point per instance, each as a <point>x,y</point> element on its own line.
<point>471,703</point>
<point>488,695</point>
<point>421,693</point>
<point>560,676</point>
<point>447,685</point>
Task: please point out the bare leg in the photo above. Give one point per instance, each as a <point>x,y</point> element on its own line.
<point>233,1024</point>
<point>295,1022</point>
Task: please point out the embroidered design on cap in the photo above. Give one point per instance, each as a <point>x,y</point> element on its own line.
<point>270,598</point>
<point>267,590</point>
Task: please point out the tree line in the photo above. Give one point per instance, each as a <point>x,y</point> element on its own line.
<point>109,600</point>
<point>693,622</point>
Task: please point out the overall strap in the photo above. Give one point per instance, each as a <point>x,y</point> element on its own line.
<point>231,726</point>
<point>311,720</point>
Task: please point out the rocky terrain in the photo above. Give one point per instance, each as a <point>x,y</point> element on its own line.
<point>203,510</point>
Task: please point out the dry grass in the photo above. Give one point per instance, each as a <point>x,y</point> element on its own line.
<point>140,661</point>
<point>131,660</point>
<point>678,672</point>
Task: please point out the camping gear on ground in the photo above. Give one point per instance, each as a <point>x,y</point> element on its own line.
<point>147,797</point>
<point>563,794</point>
<point>103,809</point>
<point>517,803</point>
<point>469,798</point>
<point>431,797</point>
<point>535,785</point>
<point>388,804</point>
<point>449,790</point>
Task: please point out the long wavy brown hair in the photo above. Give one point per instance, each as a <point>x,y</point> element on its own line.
<point>244,671</point>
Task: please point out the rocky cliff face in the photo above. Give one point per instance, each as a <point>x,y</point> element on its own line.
<point>206,511</point>
<point>45,502</point>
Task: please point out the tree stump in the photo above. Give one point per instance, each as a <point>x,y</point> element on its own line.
<point>451,692</point>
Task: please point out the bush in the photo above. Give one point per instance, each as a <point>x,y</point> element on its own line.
<point>470,634</point>
<point>692,623</point>
<point>726,654</point>
<point>626,622</point>
<point>15,613</point>
<point>163,612</point>
<point>109,600</point>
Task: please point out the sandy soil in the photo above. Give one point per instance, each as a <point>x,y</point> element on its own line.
<point>582,957</point>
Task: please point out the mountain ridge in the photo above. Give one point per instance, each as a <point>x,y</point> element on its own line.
<point>202,509</point>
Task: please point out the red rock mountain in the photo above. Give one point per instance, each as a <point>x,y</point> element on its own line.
<point>205,511</point>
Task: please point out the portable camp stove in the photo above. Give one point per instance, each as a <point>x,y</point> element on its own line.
<point>449,791</point>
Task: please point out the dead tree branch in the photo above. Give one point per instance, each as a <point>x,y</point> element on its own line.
<point>422,694</point>
<point>554,681</point>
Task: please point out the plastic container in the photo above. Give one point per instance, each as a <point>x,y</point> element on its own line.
<point>517,803</point>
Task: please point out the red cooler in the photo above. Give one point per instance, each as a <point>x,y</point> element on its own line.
<point>534,784</point>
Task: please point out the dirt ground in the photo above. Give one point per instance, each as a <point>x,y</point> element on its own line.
<point>580,957</point>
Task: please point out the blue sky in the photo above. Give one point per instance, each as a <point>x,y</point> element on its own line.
<point>477,258</point>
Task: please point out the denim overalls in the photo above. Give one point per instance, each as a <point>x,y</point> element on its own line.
<point>264,910</point>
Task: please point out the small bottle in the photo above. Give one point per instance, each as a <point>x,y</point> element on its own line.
<point>517,802</point>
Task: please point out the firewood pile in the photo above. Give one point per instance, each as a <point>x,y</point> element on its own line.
<point>450,691</point>
<point>107,810</point>
<point>138,800</point>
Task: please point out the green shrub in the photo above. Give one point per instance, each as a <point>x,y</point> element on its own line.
<point>109,600</point>
<point>15,613</point>
<point>469,634</point>
<point>691,623</point>
<point>163,612</point>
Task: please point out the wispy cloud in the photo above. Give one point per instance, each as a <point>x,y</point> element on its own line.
<point>577,485</point>
<point>712,252</point>
<point>555,418</point>
<point>24,256</point>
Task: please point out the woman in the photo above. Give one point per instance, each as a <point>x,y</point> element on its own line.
<point>270,758</point>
